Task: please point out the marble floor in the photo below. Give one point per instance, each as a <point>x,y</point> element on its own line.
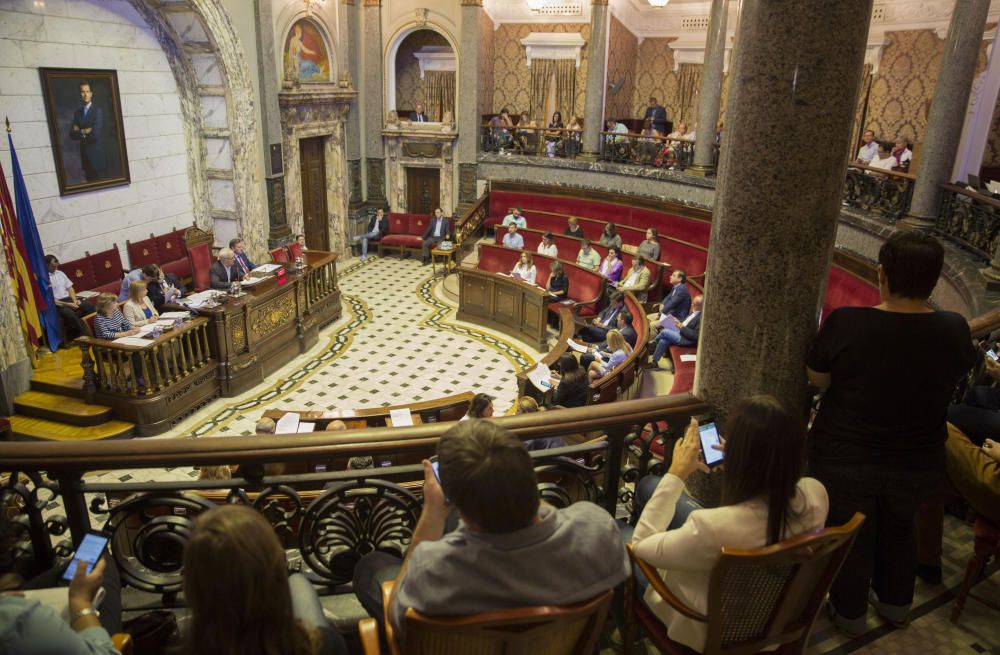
<point>399,341</point>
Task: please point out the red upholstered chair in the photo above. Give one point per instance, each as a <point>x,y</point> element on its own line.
<point>683,371</point>
<point>986,546</point>
<point>173,254</point>
<point>80,272</point>
<point>142,252</point>
<point>108,270</point>
<point>294,249</point>
<point>280,255</point>
<point>757,598</point>
<point>199,252</point>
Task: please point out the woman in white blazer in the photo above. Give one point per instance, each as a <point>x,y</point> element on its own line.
<point>764,499</point>
<point>138,309</point>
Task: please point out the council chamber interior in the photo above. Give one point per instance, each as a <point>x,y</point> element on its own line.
<point>279,249</point>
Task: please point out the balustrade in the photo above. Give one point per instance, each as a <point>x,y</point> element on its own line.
<point>653,151</point>
<point>969,218</point>
<point>535,141</point>
<point>887,193</point>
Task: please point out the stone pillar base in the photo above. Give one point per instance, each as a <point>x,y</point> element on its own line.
<point>696,170</point>
<point>588,156</point>
<point>919,223</point>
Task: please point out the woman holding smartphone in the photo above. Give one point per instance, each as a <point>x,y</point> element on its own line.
<point>764,499</point>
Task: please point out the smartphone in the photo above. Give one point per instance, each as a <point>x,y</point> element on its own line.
<point>709,436</point>
<point>90,550</point>
<point>993,355</point>
<point>434,465</point>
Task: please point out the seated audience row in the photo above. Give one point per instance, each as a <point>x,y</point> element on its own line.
<point>882,154</point>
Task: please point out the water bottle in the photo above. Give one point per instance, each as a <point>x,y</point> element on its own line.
<point>234,288</point>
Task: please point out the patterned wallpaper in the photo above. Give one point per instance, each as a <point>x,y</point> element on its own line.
<point>623,49</point>
<point>409,86</point>
<point>655,76</point>
<point>486,55</point>
<point>901,93</point>
<point>511,75</point>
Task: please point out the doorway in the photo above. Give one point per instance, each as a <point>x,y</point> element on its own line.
<point>423,190</point>
<point>312,163</point>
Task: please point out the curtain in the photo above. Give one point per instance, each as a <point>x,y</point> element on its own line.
<point>860,112</point>
<point>565,89</point>
<point>688,85</point>
<point>440,93</point>
<point>541,77</point>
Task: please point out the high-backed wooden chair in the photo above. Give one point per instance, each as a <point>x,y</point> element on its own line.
<point>199,251</point>
<point>279,255</point>
<point>295,249</point>
<point>562,630</point>
<point>757,598</point>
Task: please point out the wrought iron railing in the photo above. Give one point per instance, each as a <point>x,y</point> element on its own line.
<point>970,218</point>
<point>655,151</point>
<point>887,193</point>
<point>530,140</point>
<point>327,517</point>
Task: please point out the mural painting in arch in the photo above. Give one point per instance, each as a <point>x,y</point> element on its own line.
<point>306,58</point>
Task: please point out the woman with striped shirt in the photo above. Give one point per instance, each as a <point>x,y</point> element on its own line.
<point>109,323</point>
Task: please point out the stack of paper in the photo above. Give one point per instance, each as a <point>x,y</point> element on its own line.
<point>133,341</point>
<point>400,417</point>
<point>539,376</point>
<point>288,424</point>
<point>578,347</point>
<point>175,315</point>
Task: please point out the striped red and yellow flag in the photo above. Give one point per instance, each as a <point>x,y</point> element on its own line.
<point>26,292</point>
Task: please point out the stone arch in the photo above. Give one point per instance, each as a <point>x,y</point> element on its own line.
<point>389,57</point>
<point>225,165</point>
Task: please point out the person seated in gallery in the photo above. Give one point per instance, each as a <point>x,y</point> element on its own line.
<point>598,329</point>
<point>515,217</point>
<point>573,228</point>
<point>139,309</point>
<point>418,116</point>
<point>648,145</point>
<point>528,405</point>
<point>637,279</point>
<point>110,323</point>
<point>618,132</point>
<point>611,267</point>
<point>525,269</point>
<point>512,239</point>
<point>572,386</point>
<point>554,134</point>
<point>902,153</point>
<point>225,271</point>
<point>624,325</point>
<point>676,302</point>
<point>588,257</point>
<point>547,246</point>
<point>650,246</point>
<point>481,406</point>
<point>161,288</point>
<point>678,333</point>
<point>620,350</point>
<point>509,550</point>
<point>680,132</point>
<point>501,130</point>
<point>693,134</point>
<point>239,254</point>
<point>668,153</point>
<point>610,236</point>
<point>883,159</point>
<point>71,309</point>
<point>439,229</point>
<point>869,148</point>
<point>973,472</point>
<point>378,226</point>
<point>143,275</point>
<point>239,594</point>
<point>757,510</point>
<point>525,136</point>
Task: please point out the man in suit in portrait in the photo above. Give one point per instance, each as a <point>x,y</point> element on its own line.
<point>418,116</point>
<point>225,271</point>
<point>88,129</point>
<point>440,229</point>
<point>240,257</point>
<point>658,115</point>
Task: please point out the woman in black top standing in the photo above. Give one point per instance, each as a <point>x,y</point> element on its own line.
<point>573,388</point>
<point>877,443</point>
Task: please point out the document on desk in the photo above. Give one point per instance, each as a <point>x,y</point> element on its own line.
<point>689,358</point>
<point>307,426</point>
<point>250,281</point>
<point>267,268</point>
<point>174,315</point>
<point>400,417</point>
<point>146,329</point>
<point>578,347</point>
<point>133,341</point>
<point>539,376</point>
<point>288,424</point>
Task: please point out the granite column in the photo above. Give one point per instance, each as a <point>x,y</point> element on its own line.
<point>948,109</point>
<point>374,112</point>
<point>710,94</point>
<point>776,209</point>
<point>352,18</point>
<point>597,61</point>
<point>468,109</point>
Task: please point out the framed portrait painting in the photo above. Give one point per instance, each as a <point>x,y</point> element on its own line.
<point>84,112</point>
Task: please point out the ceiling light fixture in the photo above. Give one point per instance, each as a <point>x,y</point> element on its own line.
<point>658,3</point>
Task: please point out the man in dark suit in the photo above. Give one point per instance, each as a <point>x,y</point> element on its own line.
<point>242,261</point>
<point>225,271</point>
<point>418,116</point>
<point>659,116</point>
<point>682,333</point>
<point>598,331</point>
<point>378,225</point>
<point>88,129</point>
<point>440,229</point>
<point>677,302</point>
<point>623,321</point>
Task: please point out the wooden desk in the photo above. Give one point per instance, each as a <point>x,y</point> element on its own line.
<point>447,408</point>
<point>505,304</point>
<point>449,260</point>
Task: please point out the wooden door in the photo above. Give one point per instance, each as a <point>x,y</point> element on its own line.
<point>423,190</point>
<point>314,212</point>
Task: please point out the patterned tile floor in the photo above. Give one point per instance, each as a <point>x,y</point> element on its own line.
<point>398,341</point>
